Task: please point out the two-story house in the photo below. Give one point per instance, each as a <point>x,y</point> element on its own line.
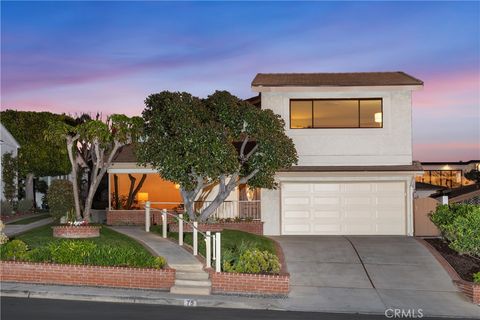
<point>353,134</point>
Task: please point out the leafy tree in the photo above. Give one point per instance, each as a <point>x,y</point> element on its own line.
<point>103,140</point>
<point>473,175</point>
<point>35,158</point>
<point>220,140</point>
<point>9,177</point>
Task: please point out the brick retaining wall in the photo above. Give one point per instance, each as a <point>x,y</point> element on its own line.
<point>243,283</point>
<point>134,217</point>
<point>76,232</point>
<point>119,277</point>
<point>255,227</point>
<point>470,289</point>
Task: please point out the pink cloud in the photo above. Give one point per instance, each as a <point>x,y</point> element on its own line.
<point>453,151</point>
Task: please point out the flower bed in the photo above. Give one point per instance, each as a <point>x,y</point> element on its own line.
<point>76,232</point>
<point>64,274</point>
<point>247,284</point>
<point>459,267</point>
<point>255,227</point>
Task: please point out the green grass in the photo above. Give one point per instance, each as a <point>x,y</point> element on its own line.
<point>31,219</point>
<point>229,239</point>
<point>41,236</point>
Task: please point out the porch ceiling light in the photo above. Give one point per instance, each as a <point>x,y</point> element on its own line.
<point>378,117</point>
<point>142,196</point>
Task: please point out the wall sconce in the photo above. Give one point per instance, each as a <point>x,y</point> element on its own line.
<point>177,186</point>
<point>250,194</point>
<point>142,196</point>
<point>378,117</point>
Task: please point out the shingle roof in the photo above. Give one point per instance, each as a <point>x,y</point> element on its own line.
<point>397,78</point>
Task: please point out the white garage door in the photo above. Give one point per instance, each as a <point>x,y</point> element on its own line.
<point>356,208</point>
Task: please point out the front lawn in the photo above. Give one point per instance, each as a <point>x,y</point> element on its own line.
<point>110,249</point>
<point>237,246</point>
<point>31,219</point>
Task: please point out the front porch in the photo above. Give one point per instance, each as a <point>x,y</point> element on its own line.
<point>129,189</point>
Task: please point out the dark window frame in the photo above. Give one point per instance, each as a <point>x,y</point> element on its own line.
<point>335,99</point>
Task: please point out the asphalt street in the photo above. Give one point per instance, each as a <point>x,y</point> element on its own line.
<point>39,309</point>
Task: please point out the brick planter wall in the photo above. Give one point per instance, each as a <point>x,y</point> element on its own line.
<point>255,227</point>
<point>76,232</point>
<point>243,283</point>
<point>470,289</point>
<point>46,273</point>
<point>134,217</point>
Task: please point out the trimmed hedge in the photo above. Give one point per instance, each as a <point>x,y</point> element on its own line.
<point>60,198</point>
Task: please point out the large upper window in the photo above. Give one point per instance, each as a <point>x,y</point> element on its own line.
<point>336,113</point>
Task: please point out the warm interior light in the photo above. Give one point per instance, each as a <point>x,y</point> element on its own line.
<point>250,193</point>
<point>378,117</point>
<point>177,186</point>
<point>142,196</point>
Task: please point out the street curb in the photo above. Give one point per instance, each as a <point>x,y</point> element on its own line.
<point>194,301</point>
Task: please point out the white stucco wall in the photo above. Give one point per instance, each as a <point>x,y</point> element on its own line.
<point>7,144</point>
<point>390,145</point>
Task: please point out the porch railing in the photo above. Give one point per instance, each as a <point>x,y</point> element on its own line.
<point>242,209</point>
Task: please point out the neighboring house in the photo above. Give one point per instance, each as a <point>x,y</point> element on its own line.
<point>466,194</point>
<point>425,190</point>
<point>353,135</point>
<point>448,174</point>
<point>8,144</point>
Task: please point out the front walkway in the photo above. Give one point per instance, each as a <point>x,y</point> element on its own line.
<point>369,275</point>
<point>176,256</point>
<point>16,229</point>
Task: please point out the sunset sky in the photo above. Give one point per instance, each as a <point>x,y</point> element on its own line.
<point>76,57</point>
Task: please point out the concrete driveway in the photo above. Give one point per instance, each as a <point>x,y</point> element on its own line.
<point>369,275</point>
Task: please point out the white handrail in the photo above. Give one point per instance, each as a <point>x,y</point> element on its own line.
<point>208,236</point>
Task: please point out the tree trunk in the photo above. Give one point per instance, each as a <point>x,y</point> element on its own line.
<point>134,190</point>
<point>29,190</point>
<point>76,196</point>
<point>115,190</point>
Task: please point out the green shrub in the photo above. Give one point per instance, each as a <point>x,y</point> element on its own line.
<point>460,225</point>
<point>85,252</point>
<point>245,259</point>
<point>60,198</point>
<point>41,254</point>
<point>14,250</point>
<point>71,251</point>
<point>464,233</point>
<point>24,205</point>
<point>476,277</point>
<point>6,208</point>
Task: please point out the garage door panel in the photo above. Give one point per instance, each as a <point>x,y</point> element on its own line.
<point>327,214</point>
<point>326,187</point>
<point>297,201</point>
<point>367,208</point>
<point>357,187</point>
<point>305,214</point>
<point>326,200</point>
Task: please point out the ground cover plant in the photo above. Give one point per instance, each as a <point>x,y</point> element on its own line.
<point>110,249</point>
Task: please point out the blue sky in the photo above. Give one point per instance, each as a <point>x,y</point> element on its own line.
<point>108,56</point>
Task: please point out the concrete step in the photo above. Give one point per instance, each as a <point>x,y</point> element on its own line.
<point>193,290</point>
<point>191,275</point>
<point>193,283</point>
<point>187,267</point>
